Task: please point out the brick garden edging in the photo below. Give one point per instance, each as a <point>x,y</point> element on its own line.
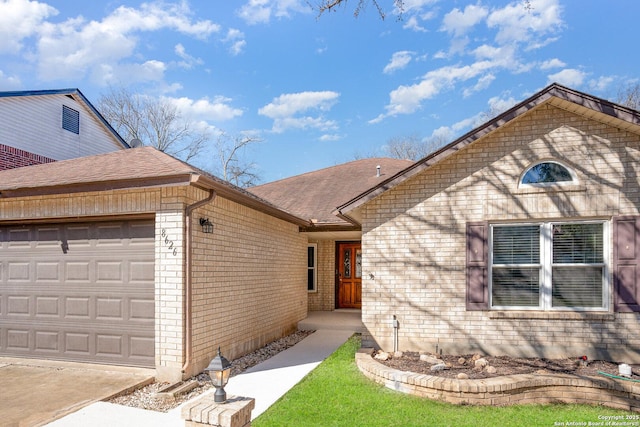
<point>505,390</point>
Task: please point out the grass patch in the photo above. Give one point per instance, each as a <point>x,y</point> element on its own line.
<point>337,394</point>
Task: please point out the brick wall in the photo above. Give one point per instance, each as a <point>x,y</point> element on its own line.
<point>249,280</point>
<point>249,276</point>
<point>11,157</point>
<point>414,239</point>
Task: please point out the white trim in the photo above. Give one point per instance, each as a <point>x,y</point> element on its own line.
<point>315,267</point>
<point>573,182</point>
<point>546,266</point>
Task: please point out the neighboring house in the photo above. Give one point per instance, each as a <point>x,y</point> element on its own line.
<point>104,259</point>
<point>48,125</point>
<point>334,253</point>
<point>522,237</point>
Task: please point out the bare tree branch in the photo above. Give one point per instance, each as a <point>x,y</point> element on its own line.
<point>331,5</point>
<point>629,96</point>
<point>232,168</point>
<point>412,147</point>
<point>155,122</point>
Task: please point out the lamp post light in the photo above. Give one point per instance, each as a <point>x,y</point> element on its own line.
<point>218,370</point>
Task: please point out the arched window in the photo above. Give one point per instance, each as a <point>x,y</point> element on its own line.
<point>548,173</point>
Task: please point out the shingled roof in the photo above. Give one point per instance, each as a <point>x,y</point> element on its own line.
<point>315,195</point>
<point>132,168</point>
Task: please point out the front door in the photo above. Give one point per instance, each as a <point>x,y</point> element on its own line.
<point>349,275</point>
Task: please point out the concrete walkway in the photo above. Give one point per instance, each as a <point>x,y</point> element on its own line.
<point>266,382</point>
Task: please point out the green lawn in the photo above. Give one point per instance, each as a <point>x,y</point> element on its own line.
<point>336,394</point>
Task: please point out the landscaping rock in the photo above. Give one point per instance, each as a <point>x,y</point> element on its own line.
<point>462,361</point>
<point>382,356</point>
<point>462,376</point>
<point>438,367</point>
<point>481,363</point>
<point>491,370</point>
<point>430,359</point>
<point>398,355</point>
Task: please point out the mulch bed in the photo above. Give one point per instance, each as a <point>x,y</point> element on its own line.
<point>410,362</point>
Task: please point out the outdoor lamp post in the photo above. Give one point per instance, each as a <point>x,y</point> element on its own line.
<point>218,370</point>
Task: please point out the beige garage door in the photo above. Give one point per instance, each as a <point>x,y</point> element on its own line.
<point>80,292</point>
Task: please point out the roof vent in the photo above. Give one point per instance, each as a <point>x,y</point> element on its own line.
<point>378,171</point>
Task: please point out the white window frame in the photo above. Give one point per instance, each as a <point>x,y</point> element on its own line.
<point>314,268</point>
<point>546,264</point>
<point>574,176</point>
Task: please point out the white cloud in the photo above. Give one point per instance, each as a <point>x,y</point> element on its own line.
<point>408,99</point>
<point>261,11</point>
<point>399,60</point>
<point>288,110</point>
<point>552,63</point>
<point>460,22</point>
<point>412,24</point>
<point>188,61</point>
<point>482,83</point>
<point>20,19</point>
<point>9,82</point>
<point>568,77</point>
<point>128,73</point>
<point>602,83</point>
<point>205,109</point>
<point>415,6</point>
<point>76,47</point>
<point>517,24</point>
<point>236,40</point>
<point>331,137</point>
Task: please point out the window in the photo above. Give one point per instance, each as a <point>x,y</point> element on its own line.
<point>548,266</point>
<point>70,120</point>
<point>546,174</point>
<point>311,267</point>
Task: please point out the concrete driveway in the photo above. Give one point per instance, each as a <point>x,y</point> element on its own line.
<point>34,393</point>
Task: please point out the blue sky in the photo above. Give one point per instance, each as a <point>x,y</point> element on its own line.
<point>321,91</point>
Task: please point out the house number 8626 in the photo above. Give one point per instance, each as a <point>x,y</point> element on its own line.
<point>169,243</point>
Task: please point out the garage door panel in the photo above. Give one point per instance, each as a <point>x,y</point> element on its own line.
<point>47,306</point>
<point>77,271</point>
<point>18,305</point>
<point>46,341</point>
<point>18,238</point>
<point>47,271</point>
<point>88,296</point>
<point>18,271</point>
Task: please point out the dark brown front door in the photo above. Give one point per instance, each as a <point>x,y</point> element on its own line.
<point>349,275</point>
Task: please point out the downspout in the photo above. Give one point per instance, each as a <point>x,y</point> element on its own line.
<point>187,303</point>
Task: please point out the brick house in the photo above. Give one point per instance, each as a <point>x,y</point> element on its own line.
<point>334,254</point>
<point>48,125</point>
<point>94,254</point>
<point>522,237</point>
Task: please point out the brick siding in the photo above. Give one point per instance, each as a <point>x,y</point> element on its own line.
<point>248,277</point>
<point>414,240</point>
<point>11,158</point>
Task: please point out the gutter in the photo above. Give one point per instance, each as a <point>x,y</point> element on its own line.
<point>187,303</point>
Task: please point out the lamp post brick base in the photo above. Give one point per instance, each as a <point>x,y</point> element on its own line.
<point>235,412</point>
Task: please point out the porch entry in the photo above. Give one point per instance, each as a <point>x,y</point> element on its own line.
<point>349,280</point>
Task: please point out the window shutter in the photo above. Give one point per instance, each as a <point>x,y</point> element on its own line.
<point>477,265</point>
<point>626,263</point>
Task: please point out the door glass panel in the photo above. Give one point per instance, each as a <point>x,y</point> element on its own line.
<point>358,263</point>
<point>346,264</point>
